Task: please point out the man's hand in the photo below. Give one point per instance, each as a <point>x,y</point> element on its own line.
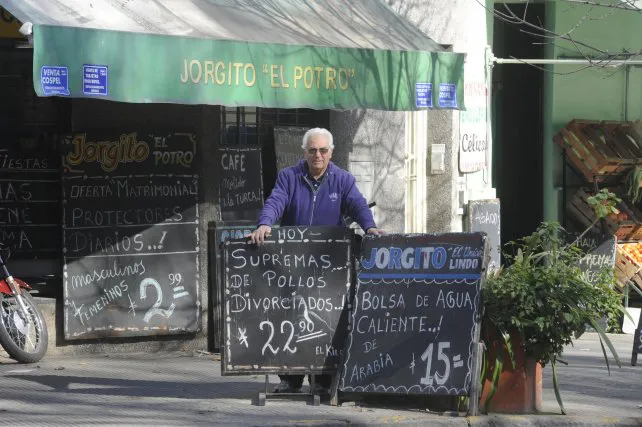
<point>375,231</point>
<point>258,236</point>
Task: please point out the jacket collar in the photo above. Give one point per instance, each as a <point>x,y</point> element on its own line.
<point>302,167</point>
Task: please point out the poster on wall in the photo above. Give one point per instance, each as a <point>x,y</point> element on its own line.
<point>473,127</point>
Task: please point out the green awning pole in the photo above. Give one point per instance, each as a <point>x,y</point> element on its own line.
<point>626,295</point>
<point>635,288</point>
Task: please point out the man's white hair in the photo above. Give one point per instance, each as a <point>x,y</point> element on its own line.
<point>317,131</point>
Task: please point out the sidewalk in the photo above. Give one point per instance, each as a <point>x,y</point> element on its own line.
<point>187,389</point>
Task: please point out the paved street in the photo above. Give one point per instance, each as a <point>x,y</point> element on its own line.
<point>187,389</point>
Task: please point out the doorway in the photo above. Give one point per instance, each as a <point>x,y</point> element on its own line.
<point>517,92</point>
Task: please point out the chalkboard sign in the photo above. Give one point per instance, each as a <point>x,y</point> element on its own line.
<point>222,231</point>
<point>416,314</point>
<point>286,301</point>
<point>241,183</point>
<point>130,235</point>
<point>30,195</point>
<point>287,146</point>
<point>485,215</point>
<point>599,253</point>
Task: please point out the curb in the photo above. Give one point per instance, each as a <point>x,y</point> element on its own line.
<point>496,420</point>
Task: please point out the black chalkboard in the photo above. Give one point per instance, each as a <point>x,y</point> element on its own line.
<point>416,314</point>
<point>241,183</point>
<point>599,253</point>
<point>130,234</point>
<point>30,195</point>
<point>287,146</point>
<point>221,231</point>
<point>286,301</point>
<point>485,215</point>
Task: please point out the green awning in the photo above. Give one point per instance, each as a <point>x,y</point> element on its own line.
<point>322,54</point>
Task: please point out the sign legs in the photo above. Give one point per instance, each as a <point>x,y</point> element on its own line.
<point>266,394</point>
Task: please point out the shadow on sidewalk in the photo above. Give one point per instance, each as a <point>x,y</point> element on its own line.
<point>145,388</point>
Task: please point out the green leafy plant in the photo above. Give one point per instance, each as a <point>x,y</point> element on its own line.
<point>632,182</point>
<point>603,203</point>
<point>542,298</point>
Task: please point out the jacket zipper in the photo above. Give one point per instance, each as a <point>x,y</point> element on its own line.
<point>314,194</point>
<point>314,199</point>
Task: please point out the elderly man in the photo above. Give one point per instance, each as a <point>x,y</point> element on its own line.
<point>313,192</point>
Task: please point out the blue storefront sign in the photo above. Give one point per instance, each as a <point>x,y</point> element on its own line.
<point>54,80</point>
<point>423,95</point>
<point>447,95</point>
<point>94,80</point>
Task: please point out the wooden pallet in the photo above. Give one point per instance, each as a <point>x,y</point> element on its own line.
<point>626,268</point>
<point>577,206</point>
<point>600,151</point>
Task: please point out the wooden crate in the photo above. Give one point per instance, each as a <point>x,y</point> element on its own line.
<point>599,151</point>
<point>578,208</point>
<point>626,268</point>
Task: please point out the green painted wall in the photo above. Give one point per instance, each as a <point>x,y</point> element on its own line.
<point>592,93</point>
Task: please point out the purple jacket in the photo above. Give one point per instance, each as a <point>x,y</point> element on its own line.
<point>294,201</point>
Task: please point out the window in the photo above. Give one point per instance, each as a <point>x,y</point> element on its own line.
<point>253,126</point>
<point>416,155</point>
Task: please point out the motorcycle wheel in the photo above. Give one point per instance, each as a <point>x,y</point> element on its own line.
<point>23,335</point>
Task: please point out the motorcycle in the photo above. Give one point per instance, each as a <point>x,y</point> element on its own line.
<point>23,331</point>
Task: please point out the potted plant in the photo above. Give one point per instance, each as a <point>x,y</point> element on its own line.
<point>539,302</point>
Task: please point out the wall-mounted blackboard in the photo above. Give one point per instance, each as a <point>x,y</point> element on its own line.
<point>30,196</point>
<point>416,312</point>
<point>219,232</point>
<point>241,183</point>
<point>130,234</point>
<point>287,146</point>
<point>485,215</point>
<point>286,301</point>
<point>599,254</point>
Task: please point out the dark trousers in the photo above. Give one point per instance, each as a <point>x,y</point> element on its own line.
<point>296,381</point>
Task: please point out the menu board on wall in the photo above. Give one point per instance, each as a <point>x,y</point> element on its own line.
<point>241,183</point>
<point>30,199</point>
<point>287,146</point>
<point>130,234</point>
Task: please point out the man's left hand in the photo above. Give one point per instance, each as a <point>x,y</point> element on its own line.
<point>375,231</point>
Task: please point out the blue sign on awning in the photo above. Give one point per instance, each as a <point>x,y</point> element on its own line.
<point>94,80</point>
<point>447,95</point>
<point>423,95</point>
<point>54,80</point>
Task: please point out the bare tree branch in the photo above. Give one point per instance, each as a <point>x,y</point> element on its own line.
<point>598,57</point>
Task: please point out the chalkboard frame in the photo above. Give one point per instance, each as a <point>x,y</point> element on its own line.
<point>475,346</point>
<point>257,369</point>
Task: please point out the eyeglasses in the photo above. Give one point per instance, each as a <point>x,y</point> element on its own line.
<point>323,151</point>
